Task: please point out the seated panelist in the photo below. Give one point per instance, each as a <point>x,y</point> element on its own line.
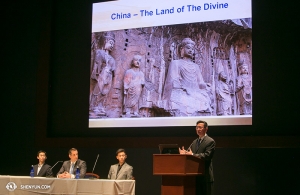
<point>42,169</point>
<point>68,169</point>
<point>121,170</point>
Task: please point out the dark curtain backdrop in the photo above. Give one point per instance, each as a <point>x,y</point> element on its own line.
<point>40,52</point>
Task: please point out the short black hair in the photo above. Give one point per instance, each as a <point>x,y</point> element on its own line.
<point>72,149</point>
<point>201,121</point>
<point>41,151</point>
<point>120,150</point>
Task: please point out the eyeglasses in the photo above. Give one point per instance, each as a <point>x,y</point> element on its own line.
<point>197,127</point>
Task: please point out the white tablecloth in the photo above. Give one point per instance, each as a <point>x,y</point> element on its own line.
<point>23,185</point>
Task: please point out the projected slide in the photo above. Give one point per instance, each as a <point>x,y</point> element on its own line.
<point>170,63</point>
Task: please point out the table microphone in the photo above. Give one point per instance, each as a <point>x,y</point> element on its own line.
<point>54,166</point>
<point>94,167</point>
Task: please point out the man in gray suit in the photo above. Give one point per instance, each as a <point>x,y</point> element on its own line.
<point>42,169</point>
<point>122,170</point>
<point>203,147</point>
<point>68,169</point>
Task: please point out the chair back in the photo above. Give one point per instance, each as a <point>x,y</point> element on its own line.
<point>91,175</point>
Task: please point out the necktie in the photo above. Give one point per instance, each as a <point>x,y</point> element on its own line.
<point>119,167</point>
<point>198,143</point>
<point>72,168</point>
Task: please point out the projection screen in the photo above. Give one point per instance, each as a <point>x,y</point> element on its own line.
<point>170,63</point>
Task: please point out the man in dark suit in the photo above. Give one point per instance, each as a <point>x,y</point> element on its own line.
<point>122,170</point>
<point>42,169</point>
<point>68,169</point>
<point>203,147</point>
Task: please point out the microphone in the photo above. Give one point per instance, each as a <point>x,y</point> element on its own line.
<point>189,148</point>
<point>94,167</point>
<point>54,166</point>
<point>95,163</point>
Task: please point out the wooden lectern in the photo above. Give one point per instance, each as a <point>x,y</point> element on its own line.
<point>178,173</point>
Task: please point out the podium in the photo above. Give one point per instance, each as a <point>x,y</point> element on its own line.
<point>178,173</point>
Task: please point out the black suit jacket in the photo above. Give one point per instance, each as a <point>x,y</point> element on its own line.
<point>44,172</point>
<point>206,152</point>
<point>79,163</point>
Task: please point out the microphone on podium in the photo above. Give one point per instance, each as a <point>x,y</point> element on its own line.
<point>189,148</point>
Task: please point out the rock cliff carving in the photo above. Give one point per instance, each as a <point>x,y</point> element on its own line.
<point>185,90</point>
<point>169,71</point>
<point>101,76</point>
<point>134,82</point>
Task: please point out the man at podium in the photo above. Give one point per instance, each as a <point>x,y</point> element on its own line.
<point>203,147</point>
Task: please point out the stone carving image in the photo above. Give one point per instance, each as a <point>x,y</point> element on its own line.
<point>181,70</point>
<point>185,90</point>
<point>134,82</point>
<point>244,90</point>
<point>223,96</point>
<point>101,75</point>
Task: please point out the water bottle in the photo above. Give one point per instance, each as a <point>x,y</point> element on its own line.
<point>77,173</point>
<point>31,171</point>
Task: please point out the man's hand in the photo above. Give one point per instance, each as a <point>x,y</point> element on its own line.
<point>64,175</point>
<point>189,151</point>
<point>182,151</point>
